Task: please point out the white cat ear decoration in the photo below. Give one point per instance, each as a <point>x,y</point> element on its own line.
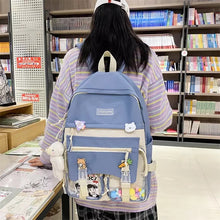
<point>55,151</point>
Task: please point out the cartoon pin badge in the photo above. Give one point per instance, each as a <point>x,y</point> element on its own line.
<point>123,163</point>
<point>130,127</point>
<point>80,125</point>
<point>81,163</point>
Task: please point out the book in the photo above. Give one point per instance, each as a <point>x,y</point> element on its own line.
<point>195,127</point>
<point>217,17</point>
<point>17,120</point>
<point>170,131</point>
<point>187,126</point>
<point>10,163</point>
<point>28,148</point>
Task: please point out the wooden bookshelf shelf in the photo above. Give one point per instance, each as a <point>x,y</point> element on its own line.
<point>174,50</point>
<point>204,94</point>
<point>203,72</point>
<point>174,93</point>
<point>204,50</point>
<point>205,26</point>
<point>4,54</point>
<point>58,52</point>
<point>167,135</point>
<point>157,6</point>
<point>158,28</point>
<point>25,108</point>
<point>55,72</point>
<point>205,5</point>
<point>4,34</point>
<point>137,30</point>
<point>70,32</point>
<point>199,136</point>
<point>75,12</point>
<point>171,72</point>
<point>201,116</point>
<point>3,16</point>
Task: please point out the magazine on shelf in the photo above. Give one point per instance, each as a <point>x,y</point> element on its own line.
<point>10,163</point>
<point>28,148</point>
<point>17,120</point>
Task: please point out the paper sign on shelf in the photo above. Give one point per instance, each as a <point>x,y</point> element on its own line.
<point>30,97</point>
<point>28,62</point>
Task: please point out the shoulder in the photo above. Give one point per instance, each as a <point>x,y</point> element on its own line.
<point>72,55</point>
<point>153,71</point>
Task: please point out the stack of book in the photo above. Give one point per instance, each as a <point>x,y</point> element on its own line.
<point>191,127</point>
<point>193,106</point>
<point>196,18</point>
<point>73,23</point>
<point>159,41</point>
<point>202,128</point>
<point>198,84</point>
<point>63,44</point>
<point>166,64</point>
<point>56,64</point>
<point>155,18</point>
<point>203,64</point>
<point>172,86</point>
<point>204,40</point>
<point>17,120</point>
<point>209,129</point>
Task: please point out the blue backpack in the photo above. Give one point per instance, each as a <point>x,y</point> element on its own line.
<point>108,155</point>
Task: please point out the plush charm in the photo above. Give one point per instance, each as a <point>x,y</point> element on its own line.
<point>130,127</point>
<point>55,151</point>
<point>80,125</point>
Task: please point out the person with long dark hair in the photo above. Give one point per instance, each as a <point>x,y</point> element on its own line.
<point>110,30</point>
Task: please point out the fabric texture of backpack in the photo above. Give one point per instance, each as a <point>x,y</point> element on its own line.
<point>108,145</point>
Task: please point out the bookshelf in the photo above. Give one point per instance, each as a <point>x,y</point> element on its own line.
<point>209,123</point>
<point>176,31</point>
<point>180,34</point>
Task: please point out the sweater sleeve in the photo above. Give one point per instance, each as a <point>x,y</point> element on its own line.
<point>159,110</point>
<point>60,99</point>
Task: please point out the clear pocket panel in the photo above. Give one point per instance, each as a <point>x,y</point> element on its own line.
<point>100,162</point>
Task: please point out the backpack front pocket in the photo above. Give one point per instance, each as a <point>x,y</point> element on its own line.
<point>101,157</point>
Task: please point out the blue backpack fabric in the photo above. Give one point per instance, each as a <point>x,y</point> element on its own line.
<point>108,155</point>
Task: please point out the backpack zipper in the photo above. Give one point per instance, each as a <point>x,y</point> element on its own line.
<point>100,149</point>
<point>135,97</point>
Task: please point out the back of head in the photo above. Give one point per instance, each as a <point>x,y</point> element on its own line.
<point>111,30</point>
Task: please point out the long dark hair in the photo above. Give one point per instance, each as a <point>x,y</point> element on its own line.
<point>111,30</point>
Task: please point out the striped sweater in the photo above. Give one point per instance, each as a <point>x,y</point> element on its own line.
<point>150,81</point>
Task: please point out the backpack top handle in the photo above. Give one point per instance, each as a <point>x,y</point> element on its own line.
<point>112,65</point>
